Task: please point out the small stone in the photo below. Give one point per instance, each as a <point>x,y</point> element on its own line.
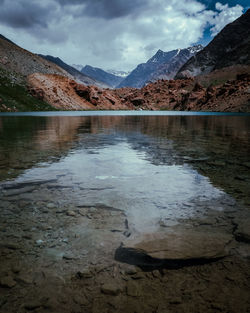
<point>39,242</point>
<point>84,274</point>
<point>131,271</point>
<point>50,205</point>
<point>25,279</point>
<point>68,256</point>
<point>242,232</point>
<point>156,274</point>
<point>32,305</point>
<point>176,300</point>
<point>27,236</point>
<point>7,282</point>
<point>138,275</point>
<point>80,299</point>
<point>9,245</point>
<point>132,289</point>
<point>110,289</point>
<point>71,213</point>
<point>16,268</point>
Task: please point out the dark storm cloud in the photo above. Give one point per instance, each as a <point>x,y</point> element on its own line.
<point>107,9</point>
<point>24,14</point>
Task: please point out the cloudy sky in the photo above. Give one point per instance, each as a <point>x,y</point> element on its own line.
<point>113,34</point>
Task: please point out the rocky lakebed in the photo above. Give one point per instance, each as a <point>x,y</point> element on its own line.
<point>66,248</point>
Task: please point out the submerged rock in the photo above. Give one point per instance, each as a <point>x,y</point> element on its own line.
<point>174,249</point>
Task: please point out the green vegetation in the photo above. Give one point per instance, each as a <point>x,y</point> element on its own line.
<point>14,96</point>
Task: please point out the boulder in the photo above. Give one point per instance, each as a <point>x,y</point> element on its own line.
<point>174,248</point>
<point>138,101</point>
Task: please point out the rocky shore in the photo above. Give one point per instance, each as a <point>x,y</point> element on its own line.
<point>180,95</point>
<point>62,257</point>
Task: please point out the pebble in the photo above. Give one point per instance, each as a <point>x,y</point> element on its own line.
<point>25,279</point>
<point>132,289</point>
<point>39,242</point>
<point>7,282</point>
<point>71,213</point>
<point>80,299</point>
<point>16,268</point>
<point>50,205</point>
<point>11,246</point>
<point>68,256</point>
<point>176,300</point>
<point>110,289</point>
<point>84,274</point>
<point>139,275</point>
<point>32,305</point>
<point>131,272</point>
<point>156,274</point>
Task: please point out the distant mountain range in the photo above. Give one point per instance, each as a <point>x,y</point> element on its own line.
<point>101,75</point>
<point>122,74</point>
<point>161,65</point>
<point>78,76</point>
<point>230,47</point>
<point>220,70</point>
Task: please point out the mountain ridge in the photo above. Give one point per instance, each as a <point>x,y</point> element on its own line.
<point>229,47</point>
<point>161,61</point>
<point>101,75</point>
<point>77,75</point>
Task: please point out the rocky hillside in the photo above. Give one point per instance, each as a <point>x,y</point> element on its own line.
<point>14,96</point>
<point>180,95</point>
<point>65,94</point>
<point>230,47</point>
<point>18,60</point>
<point>77,75</point>
<point>97,73</point>
<point>161,65</point>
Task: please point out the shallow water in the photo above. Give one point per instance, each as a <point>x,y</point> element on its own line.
<point>145,162</point>
<point>72,188</point>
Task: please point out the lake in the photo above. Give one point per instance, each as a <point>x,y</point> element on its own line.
<point>86,195</point>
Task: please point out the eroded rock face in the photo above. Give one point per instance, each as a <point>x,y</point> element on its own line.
<point>179,95</point>
<point>175,249</point>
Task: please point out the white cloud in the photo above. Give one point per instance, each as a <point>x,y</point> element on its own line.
<point>122,41</point>
<point>226,15</point>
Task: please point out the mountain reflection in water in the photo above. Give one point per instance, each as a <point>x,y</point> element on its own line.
<point>149,162</point>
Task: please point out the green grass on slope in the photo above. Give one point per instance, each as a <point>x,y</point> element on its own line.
<point>14,97</point>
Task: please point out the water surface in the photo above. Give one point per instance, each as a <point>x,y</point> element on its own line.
<point>152,167</point>
<point>75,187</point>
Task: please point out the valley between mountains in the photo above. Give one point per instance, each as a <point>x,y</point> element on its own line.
<point>211,78</point>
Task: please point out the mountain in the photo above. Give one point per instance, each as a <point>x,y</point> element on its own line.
<point>78,76</point>
<point>230,47</point>
<point>22,62</point>
<point>77,67</point>
<point>16,65</point>
<point>122,74</point>
<point>2,37</point>
<point>101,75</point>
<point>169,69</point>
<point>162,64</point>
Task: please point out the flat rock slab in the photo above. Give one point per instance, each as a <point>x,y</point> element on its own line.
<point>184,245</point>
